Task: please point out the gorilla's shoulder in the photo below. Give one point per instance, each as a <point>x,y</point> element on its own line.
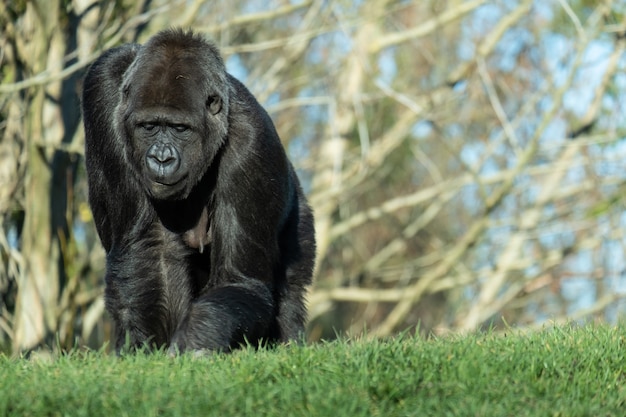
<point>240,91</point>
<point>246,107</point>
<point>113,62</point>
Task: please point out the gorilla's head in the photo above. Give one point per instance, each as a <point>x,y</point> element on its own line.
<point>174,112</point>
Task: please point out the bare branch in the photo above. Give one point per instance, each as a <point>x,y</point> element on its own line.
<point>250,18</point>
<point>450,15</point>
<point>488,44</point>
<point>47,76</point>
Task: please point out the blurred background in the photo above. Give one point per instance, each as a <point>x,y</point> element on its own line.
<point>466,160</point>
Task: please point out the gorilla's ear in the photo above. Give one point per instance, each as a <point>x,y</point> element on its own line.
<point>214,104</point>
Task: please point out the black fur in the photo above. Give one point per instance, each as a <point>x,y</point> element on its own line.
<point>209,238</point>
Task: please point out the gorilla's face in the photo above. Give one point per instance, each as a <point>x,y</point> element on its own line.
<point>174,116</point>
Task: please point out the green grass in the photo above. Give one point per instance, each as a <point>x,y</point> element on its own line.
<point>566,371</point>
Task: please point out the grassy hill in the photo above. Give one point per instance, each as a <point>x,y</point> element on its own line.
<point>563,371</point>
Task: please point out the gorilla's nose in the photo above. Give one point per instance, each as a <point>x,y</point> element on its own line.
<point>162,160</point>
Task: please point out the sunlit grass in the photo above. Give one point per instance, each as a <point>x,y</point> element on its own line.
<point>564,371</point>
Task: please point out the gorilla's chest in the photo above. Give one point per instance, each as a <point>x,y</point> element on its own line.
<point>199,236</point>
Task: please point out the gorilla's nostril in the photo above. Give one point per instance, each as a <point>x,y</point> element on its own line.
<point>162,153</point>
<point>162,159</point>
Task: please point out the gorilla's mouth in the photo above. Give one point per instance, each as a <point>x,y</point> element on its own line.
<point>167,188</point>
<point>163,169</point>
<point>168,181</point>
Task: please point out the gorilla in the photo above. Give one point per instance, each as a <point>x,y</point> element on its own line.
<point>209,238</point>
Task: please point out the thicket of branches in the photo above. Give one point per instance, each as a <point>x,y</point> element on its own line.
<point>465,159</point>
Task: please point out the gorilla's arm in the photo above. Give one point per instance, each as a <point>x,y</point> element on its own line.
<point>110,182</point>
<point>138,255</point>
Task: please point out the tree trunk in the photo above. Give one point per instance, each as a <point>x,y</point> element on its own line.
<point>40,282</point>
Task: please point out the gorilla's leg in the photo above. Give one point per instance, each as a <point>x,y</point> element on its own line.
<point>144,292</point>
<point>298,254</point>
<point>223,318</point>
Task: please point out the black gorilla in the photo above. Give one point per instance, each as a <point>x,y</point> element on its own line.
<point>209,238</point>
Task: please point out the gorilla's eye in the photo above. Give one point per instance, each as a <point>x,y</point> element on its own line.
<point>180,128</point>
<point>147,126</point>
